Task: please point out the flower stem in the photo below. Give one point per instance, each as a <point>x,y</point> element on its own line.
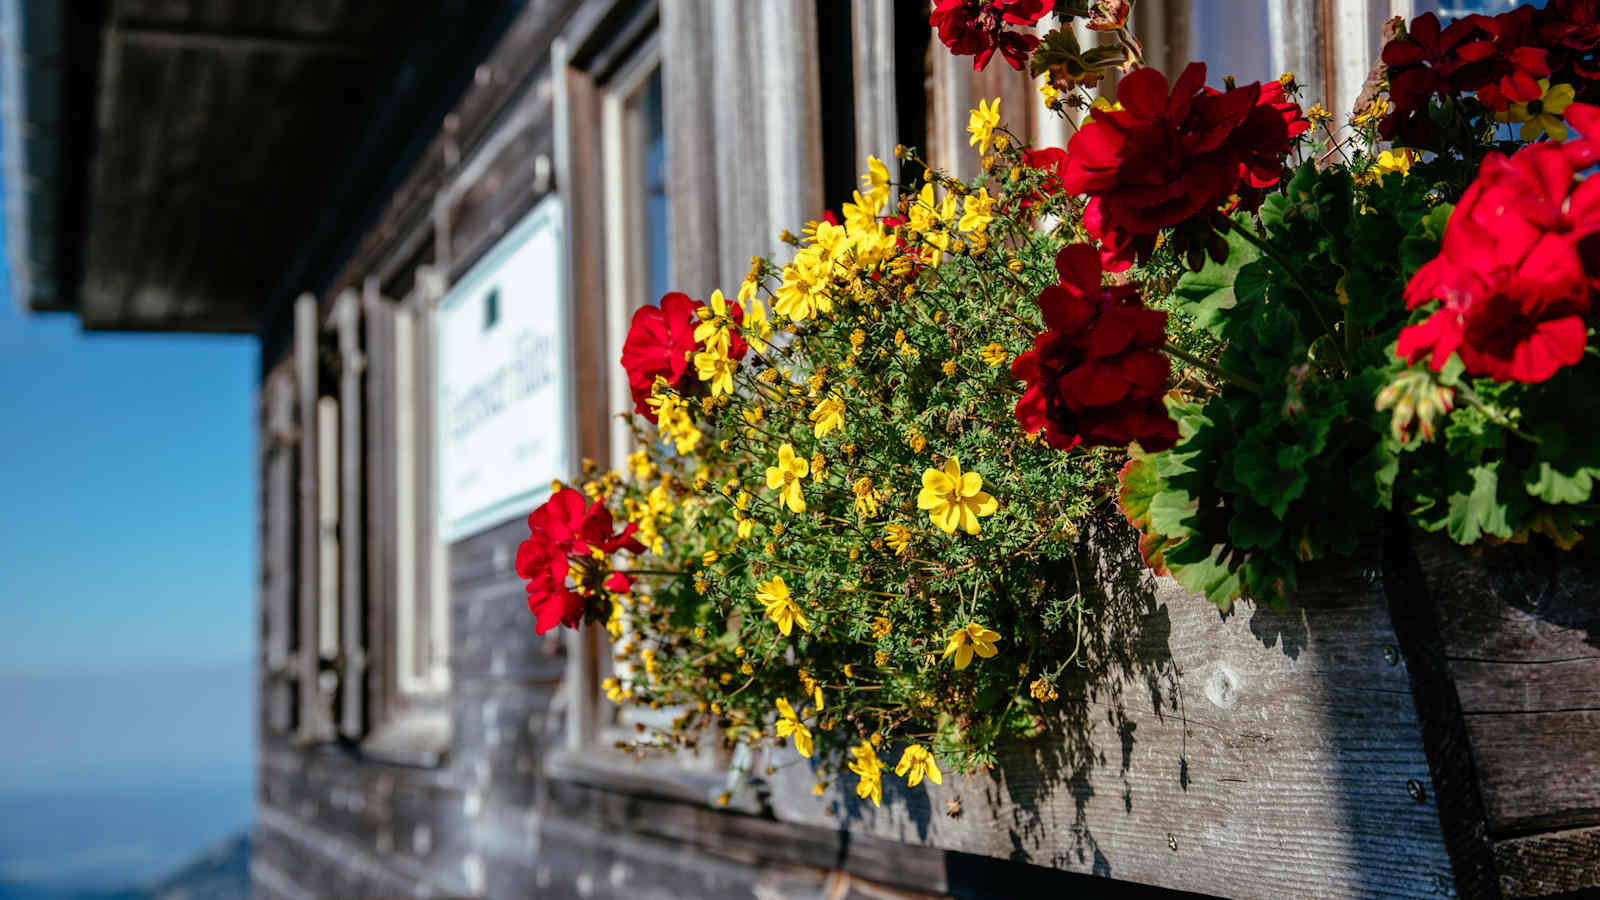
<point>1231,377</point>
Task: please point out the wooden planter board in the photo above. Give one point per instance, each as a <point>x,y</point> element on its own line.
<point>1273,754</point>
<point>1257,754</point>
<point>1509,695</point>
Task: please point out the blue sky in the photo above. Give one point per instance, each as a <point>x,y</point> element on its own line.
<point>126,485</point>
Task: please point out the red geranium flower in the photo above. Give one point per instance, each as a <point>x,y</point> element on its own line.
<point>660,343</point>
<point>568,540</point>
<point>1510,276</point>
<point>1097,375</point>
<point>1570,30</point>
<point>1168,159</point>
<point>977,28</point>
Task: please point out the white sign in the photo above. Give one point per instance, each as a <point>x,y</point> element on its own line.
<point>505,424</point>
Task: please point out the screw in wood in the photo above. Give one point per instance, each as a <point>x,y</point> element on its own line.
<point>1415,791</point>
<point>1172,842</point>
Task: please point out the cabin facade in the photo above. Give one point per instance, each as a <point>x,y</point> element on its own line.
<point>437,217</point>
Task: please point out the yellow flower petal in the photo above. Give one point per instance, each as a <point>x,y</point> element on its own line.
<point>1558,98</point>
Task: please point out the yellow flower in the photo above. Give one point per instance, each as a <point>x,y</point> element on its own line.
<point>713,321</point>
<point>790,725</point>
<point>781,608</point>
<point>715,366</point>
<point>1373,113</point>
<point>1318,114</point>
<point>881,626</point>
<point>866,498</point>
<point>982,123</point>
<point>1542,116</point>
<point>876,181</point>
<point>819,467</point>
<point>916,441</point>
<point>1043,690</point>
<point>948,367</point>
<point>757,327</point>
<point>1101,104</point>
<point>918,762</point>
<point>785,478</point>
<point>880,658</point>
<point>979,212</point>
<point>969,640</point>
<point>1051,95</point>
<point>867,765</point>
<point>953,498</point>
<point>994,355</point>
<point>1391,161</point>
<point>828,415</point>
<point>899,538</point>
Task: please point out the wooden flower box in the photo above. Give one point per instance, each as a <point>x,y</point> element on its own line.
<point>1422,724</point>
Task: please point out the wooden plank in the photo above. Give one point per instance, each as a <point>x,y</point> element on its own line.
<point>877,122</point>
<point>1513,687</point>
<point>352,519</point>
<point>1545,864</point>
<point>694,239</point>
<point>790,85</point>
<point>1517,626</point>
<point>382,537</point>
<point>745,226</point>
<point>1540,770</point>
<point>315,717</point>
<point>277,549</point>
<point>1262,754</point>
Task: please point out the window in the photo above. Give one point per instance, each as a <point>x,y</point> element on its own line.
<point>638,266</point>
<point>356,634</point>
<point>407,604</point>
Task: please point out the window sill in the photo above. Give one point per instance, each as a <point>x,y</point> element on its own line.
<point>419,738</point>
<point>610,770</point>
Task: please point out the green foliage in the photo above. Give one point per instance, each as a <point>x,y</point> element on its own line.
<point>1286,461</point>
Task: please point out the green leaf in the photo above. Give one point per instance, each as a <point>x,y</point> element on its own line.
<point>1209,294</point>
<point>1558,487</point>
<point>1422,245</point>
<point>1253,526</point>
<point>1480,512</point>
<point>1205,571</point>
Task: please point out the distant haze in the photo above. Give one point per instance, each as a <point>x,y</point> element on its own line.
<point>112,779</point>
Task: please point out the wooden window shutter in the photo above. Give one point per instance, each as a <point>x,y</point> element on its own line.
<point>315,717</point>
<point>352,520</point>
<point>385,554</point>
<point>280,439</point>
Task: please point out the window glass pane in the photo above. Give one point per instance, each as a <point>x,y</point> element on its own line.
<point>652,123</point>
<point>1235,44</point>
<point>1455,9</point>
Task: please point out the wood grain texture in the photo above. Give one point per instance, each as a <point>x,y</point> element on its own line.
<point>353,637</point>
<point>1550,863</point>
<point>1521,633</point>
<point>694,241</point>
<point>1263,754</point>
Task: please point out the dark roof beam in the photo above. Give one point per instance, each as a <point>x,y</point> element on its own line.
<point>178,37</point>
